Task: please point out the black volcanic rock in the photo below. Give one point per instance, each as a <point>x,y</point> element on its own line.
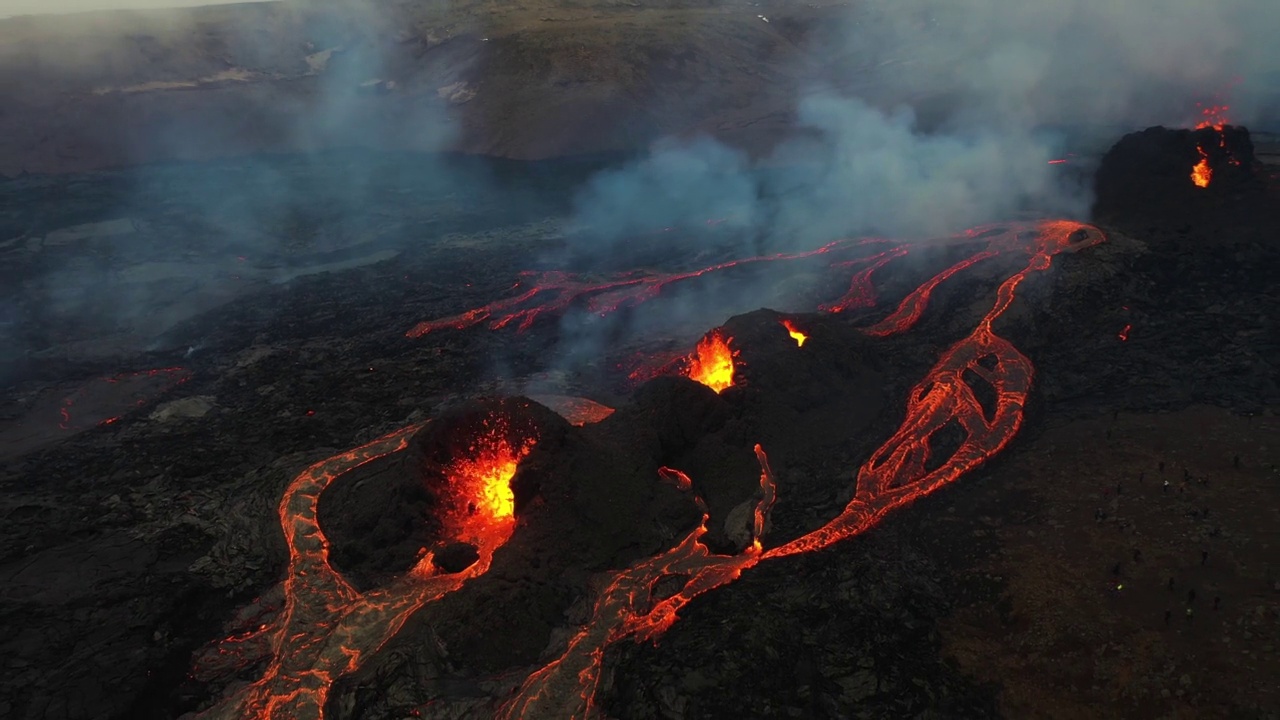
<point>1149,172</point>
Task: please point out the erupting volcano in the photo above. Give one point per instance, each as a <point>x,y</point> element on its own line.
<point>483,476</point>
<point>327,628</point>
<point>1202,174</point>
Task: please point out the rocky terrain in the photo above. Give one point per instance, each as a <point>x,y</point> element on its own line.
<point>218,226</point>
<point>140,486</point>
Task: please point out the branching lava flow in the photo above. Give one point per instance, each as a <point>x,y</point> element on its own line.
<point>326,628</point>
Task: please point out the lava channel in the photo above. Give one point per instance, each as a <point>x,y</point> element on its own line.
<point>327,628</point>
<point>549,293</point>
<point>627,608</point>
<point>894,475</point>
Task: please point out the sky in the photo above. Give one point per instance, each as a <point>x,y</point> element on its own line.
<point>9,8</point>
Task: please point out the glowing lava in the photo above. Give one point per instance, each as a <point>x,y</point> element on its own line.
<point>795,334</point>
<point>712,362</point>
<point>483,476</point>
<point>627,608</point>
<point>132,390</point>
<point>1213,116</point>
<point>1201,174</point>
<point>555,292</point>
<point>327,628</point>
<point>896,473</point>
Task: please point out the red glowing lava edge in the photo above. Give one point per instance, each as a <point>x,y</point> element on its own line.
<point>327,628</point>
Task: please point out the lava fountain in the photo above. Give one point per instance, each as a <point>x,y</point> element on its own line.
<point>712,362</point>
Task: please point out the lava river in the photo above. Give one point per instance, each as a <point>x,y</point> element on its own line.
<point>327,628</point>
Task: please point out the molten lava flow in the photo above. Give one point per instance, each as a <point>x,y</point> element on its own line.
<point>897,473</point>
<point>327,628</point>
<point>627,608</point>
<point>678,478</point>
<point>795,334</point>
<point>712,362</point>
<point>1201,174</point>
<point>565,289</point>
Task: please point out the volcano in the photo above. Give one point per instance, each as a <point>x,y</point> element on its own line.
<point>750,489</point>
<point>445,450</point>
<point>1166,170</point>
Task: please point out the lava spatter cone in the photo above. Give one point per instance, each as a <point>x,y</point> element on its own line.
<point>1162,171</point>
<point>455,484</point>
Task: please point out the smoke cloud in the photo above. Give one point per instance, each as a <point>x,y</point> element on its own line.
<point>924,117</point>
<point>930,116</point>
<point>913,118</point>
<point>183,238</point>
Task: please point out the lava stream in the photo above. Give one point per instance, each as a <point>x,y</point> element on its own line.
<point>795,333</point>
<point>627,608</point>
<point>895,475</point>
<point>327,628</point>
<point>555,292</point>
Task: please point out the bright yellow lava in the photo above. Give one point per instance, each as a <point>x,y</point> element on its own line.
<point>1201,174</point>
<point>795,334</point>
<point>712,362</point>
<point>495,480</point>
